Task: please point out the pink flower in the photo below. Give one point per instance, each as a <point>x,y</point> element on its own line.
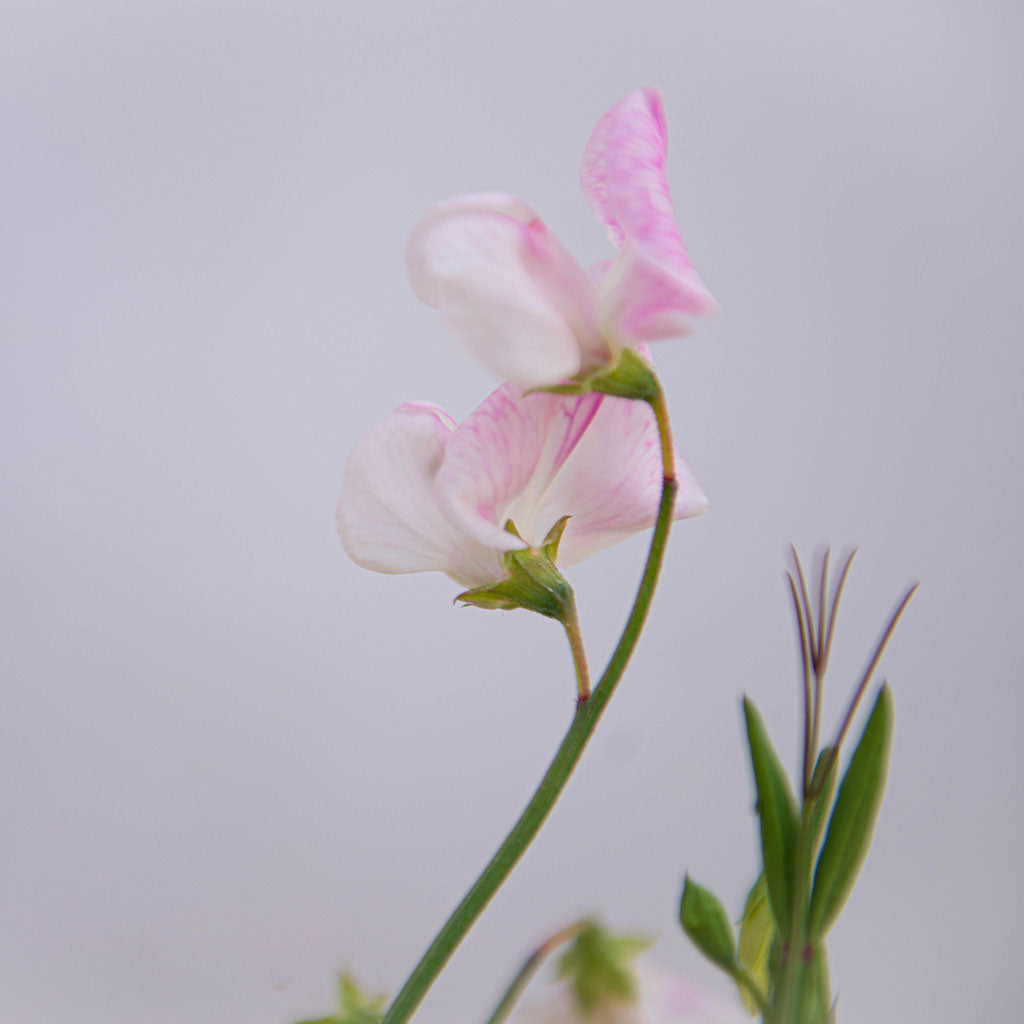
<point>421,493</point>
<point>517,298</point>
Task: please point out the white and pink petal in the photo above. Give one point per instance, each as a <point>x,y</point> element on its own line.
<point>503,458</point>
<point>508,289</point>
<point>388,516</point>
<point>652,291</point>
<point>640,301</point>
<point>535,458</point>
<point>611,483</point>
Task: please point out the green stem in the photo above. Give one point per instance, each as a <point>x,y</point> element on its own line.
<point>787,1003</point>
<point>588,713</point>
<point>530,968</point>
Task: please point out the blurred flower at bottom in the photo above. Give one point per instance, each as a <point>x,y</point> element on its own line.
<point>660,997</point>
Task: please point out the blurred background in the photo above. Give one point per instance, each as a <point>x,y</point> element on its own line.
<point>230,761</point>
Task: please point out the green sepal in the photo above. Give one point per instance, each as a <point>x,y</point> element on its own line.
<point>853,818</point>
<point>597,966</point>
<point>777,811</point>
<point>707,924</point>
<point>354,1005</point>
<point>757,933</point>
<point>630,376</point>
<point>554,538</point>
<point>531,580</point>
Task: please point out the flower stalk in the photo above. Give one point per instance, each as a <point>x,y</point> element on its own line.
<point>579,655</point>
<point>588,713</point>
<point>533,963</point>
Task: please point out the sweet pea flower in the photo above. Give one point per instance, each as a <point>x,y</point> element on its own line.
<point>422,493</point>
<point>661,998</point>
<point>516,297</point>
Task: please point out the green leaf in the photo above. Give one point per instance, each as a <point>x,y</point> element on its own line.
<point>757,933</point>
<point>853,818</point>
<point>705,921</point>
<point>778,813</point>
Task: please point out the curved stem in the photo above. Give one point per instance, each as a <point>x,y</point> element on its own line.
<point>530,968</point>
<point>584,721</point>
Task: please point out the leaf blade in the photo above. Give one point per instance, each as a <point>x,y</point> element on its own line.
<point>776,808</point>
<point>853,817</point>
<point>706,923</point>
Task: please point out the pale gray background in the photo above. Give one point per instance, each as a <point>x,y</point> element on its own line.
<point>230,761</point>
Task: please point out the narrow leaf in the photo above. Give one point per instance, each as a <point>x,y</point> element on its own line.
<point>853,818</point>
<point>823,784</point>
<point>777,810</point>
<point>707,924</point>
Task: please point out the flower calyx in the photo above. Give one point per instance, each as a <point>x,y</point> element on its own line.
<point>354,1005</point>
<point>630,376</point>
<point>531,581</point>
<point>598,966</point>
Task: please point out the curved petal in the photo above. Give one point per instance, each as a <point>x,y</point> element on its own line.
<point>652,291</point>
<point>597,270</point>
<point>501,462</point>
<point>388,517</point>
<point>611,483</point>
<point>508,289</point>
<point>641,301</point>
